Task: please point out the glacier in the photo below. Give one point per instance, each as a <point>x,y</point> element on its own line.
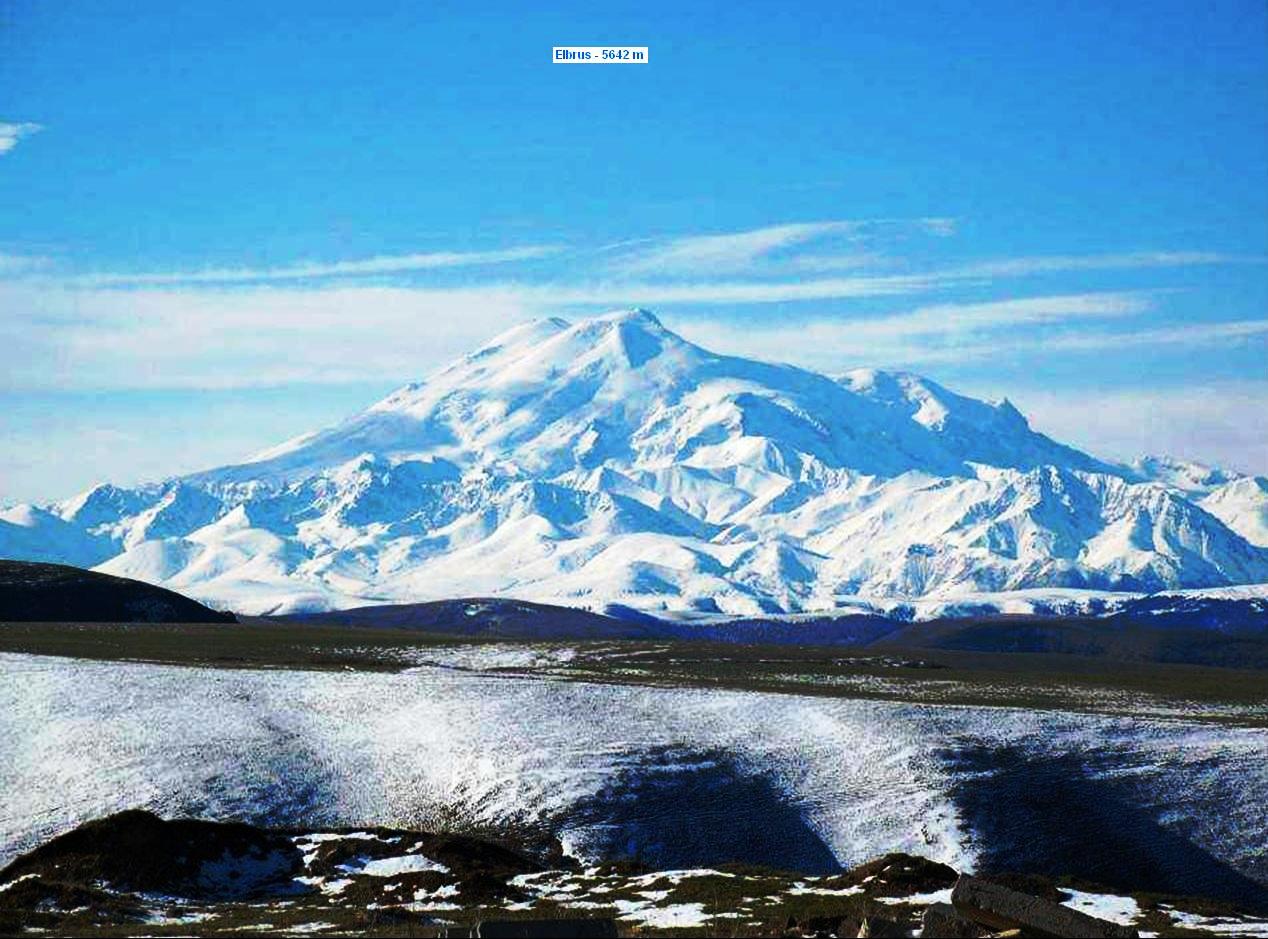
<point>612,462</point>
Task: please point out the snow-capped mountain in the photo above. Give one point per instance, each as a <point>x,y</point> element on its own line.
<point>1186,475</point>
<point>1242,505</point>
<point>1239,501</point>
<point>611,461</point>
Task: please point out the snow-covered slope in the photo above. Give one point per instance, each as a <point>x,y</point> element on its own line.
<point>611,461</point>
<point>28,533</point>
<point>1196,478</point>
<point>1242,505</point>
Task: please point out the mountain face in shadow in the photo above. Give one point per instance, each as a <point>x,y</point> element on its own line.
<point>55,593</point>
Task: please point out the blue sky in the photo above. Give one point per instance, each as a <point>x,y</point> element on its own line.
<point>224,224</point>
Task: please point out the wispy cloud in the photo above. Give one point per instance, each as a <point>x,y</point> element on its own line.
<point>1197,335</point>
<point>966,317</point>
<point>1052,264</point>
<point>211,337</point>
<point>208,336</point>
<point>737,252</point>
<point>11,134</point>
<point>964,333</point>
<point>388,264</point>
<point>941,227</point>
<point>243,326</point>
<point>22,263</point>
<point>726,253</point>
<point>736,292</point>
<point>793,250</point>
<point>928,333</point>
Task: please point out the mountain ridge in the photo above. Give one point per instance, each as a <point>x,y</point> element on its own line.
<point>611,461</point>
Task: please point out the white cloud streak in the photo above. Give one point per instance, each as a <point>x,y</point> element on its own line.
<point>726,253</point>
<point>11,134</point>
<point>1053,264</point>
<point>263,335</point>
<point>388,264</point>
<point>315,322</point>
<point>780,249</point>
<point>1197,335</point>
<point>934,333</point>
<point>736,252</point>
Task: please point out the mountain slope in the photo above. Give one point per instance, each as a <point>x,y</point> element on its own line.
<point>1242,505</point>
<point>612,462</point>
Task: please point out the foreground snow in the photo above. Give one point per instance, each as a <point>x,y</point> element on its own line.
<point>612,462</point>
<point>599,765</point>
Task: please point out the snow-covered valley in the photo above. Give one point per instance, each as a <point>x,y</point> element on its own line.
<point>612,462</point>
<point>679,777</point>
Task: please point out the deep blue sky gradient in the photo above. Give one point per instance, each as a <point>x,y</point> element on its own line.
<point>179,137</point>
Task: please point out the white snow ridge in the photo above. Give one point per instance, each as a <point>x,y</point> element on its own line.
<point>611,461</point>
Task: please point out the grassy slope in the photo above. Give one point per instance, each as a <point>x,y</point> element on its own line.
<point>942,676</point>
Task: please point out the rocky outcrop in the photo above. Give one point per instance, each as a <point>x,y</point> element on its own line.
<point>1001,909</point>
<point>134,873</point>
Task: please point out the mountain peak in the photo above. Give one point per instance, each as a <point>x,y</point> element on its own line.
<point>534,337</point>
<point>611,460</point>
<point>636,336</point>
<point>1185,475</point>
<point>635,315</point>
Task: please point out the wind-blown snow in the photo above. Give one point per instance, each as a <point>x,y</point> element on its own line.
<point>79,739</point>
<point>611,461</point>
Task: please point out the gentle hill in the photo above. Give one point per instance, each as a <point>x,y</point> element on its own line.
<point>485,617</point>
<point>55,593</point>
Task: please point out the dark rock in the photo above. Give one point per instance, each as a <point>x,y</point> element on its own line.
<point>999,908</point>
<point>876,927</point>
<point>547,929</point>
<point>941,921</point>
<point>900,875</point>
<point>1036,885</point>
<point>140,852</point>
<point>823,926</point>
<point>37,893</point>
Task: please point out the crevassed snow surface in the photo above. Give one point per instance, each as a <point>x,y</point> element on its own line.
<point>79,739</point>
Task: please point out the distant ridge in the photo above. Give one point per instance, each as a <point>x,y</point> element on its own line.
<point>1224,631</point>
<point>56,593</point>
<point>485,617</point>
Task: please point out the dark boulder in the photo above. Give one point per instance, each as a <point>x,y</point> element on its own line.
<point>999,908</point>
<point>941,921</point>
